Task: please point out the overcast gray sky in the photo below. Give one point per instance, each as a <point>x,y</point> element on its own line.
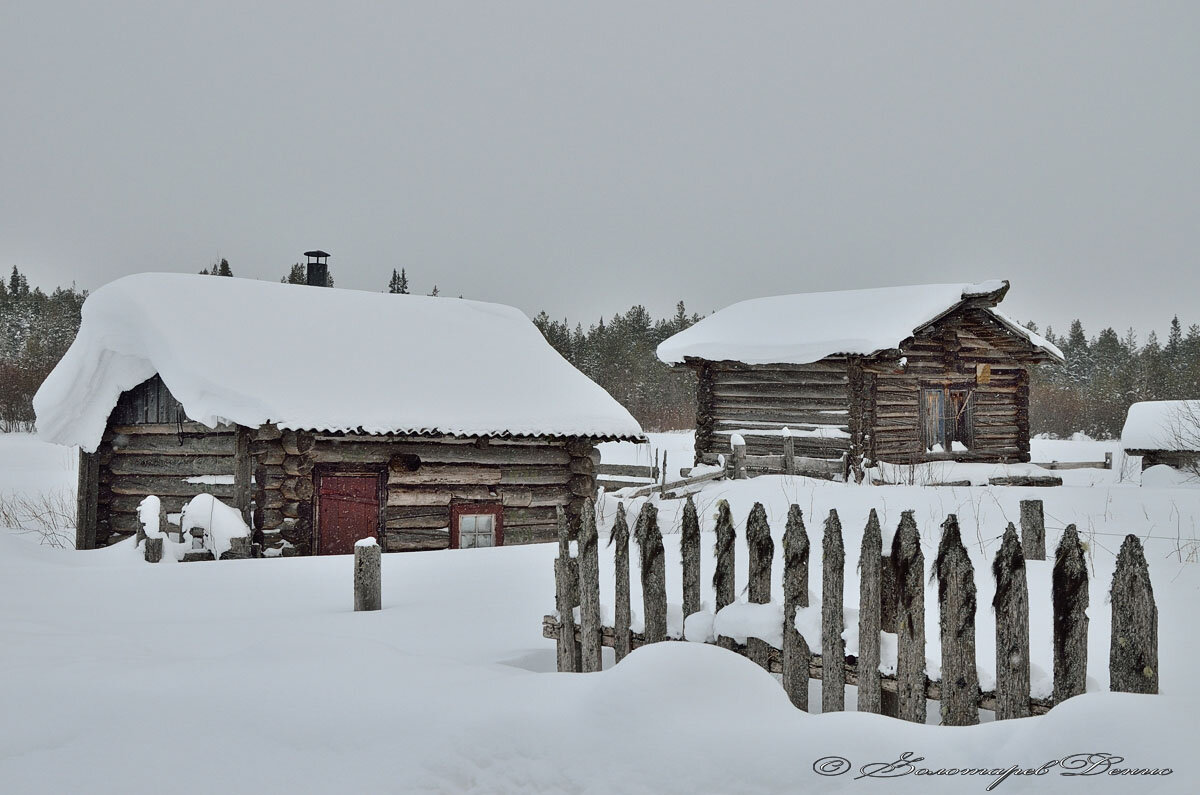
<point>585,157</point>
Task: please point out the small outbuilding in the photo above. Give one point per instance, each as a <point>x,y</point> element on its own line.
<point>900,374</point>
<point>1163,432</point>
<point>324,415</point>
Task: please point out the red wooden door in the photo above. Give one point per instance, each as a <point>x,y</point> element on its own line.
<point>348,510</point>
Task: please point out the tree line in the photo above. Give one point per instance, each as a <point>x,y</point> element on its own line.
<point>1102,376</point>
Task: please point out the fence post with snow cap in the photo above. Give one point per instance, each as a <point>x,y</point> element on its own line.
<point>1033,530</point>
<point>910,619</point>
<point>1133,651</point>
<point>589,588</point>
<point>1011,605</point>
<point>956,608</point>
<point>621,611</point>
<point>654,574</point>
<point>737,457</point>
<point>1069,594</point>
<point>833,657</point>
<point>689,549</point>
<point>367,576</point>
<point>761,549</point>
<point>795,651</point>
<point>869,607</point>
<point>723,576</point>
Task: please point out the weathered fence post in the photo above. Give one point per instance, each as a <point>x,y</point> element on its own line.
<point>1069,593</point>
<point>723,575</point>
<point>796,655</point>
<point>789,453</point>
<point>162,519</point>
<point>566,582</point>
<point>869,608</point>
<point>621,613</point>
<point>1133,653</point>
<point>956,607</point>
<point>689,552</point>
<point>1033,530</point>
<point>154,549</point>
<point>889,600</point>
<point>910,619</point>
<point>737,447</point>
<point>654,573</point>
<point>589,588</point>
<point>833,647</point>
<point>1011,605</point>
<point>761,549</point>
<point>367,580</point>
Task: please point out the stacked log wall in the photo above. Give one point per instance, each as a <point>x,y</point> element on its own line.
<point>812,401</point>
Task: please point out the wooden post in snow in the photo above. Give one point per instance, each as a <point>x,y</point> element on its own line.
<point>1069,593</point>
<point>910,619</point>
<point>621,614</point>
<point>723,575</point>
<point>1033,530</point>
<point>761,549</point>
<point>689,551</point>
<point>654,573</point>
<point>789,452</point>
<point>889,601</point>
<point>589,588</point>
<point>833,647</point>
<point>1133,653</point>
<point>1011,604</point>
<point>870,568</point>
<point>154,549</point>
<point>956,607</point>
<point>367,585</point>
<point>796,654</point>
<point>566,582</point>
<point>737,448</point>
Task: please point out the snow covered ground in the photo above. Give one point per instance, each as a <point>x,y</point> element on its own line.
<point>256,676</point>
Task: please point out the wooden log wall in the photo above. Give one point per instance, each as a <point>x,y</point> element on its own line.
<point>808,399</point>
<point>425,474</point>
<point>1133,665</point>
<point>968,349</point>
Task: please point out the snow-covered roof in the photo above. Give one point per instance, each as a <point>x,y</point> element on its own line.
<point>251,352</point>
<point>807,327</point>
<point>1162,425</point>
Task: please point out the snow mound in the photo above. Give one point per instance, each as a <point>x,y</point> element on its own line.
<point>1162,425</point>
<point>250,352</point>
<point>807,327</point>
<point>1161,476</point>
<point>218,521</point>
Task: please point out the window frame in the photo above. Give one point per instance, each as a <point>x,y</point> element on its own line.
<point>461,509</point>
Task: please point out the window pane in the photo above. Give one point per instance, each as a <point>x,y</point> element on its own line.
<point>483,523</point>
<point>485,540</point>
<point>466,524</point>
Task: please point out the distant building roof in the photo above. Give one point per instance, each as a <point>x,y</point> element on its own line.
<point>807,327</point>
<point>1170,425</point>
<point>251,352</point>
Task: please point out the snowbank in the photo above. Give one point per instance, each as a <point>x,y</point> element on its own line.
<point>807,327</point>
<point>218,521</point>
<point>1162,425</point>
<point>371,361</point>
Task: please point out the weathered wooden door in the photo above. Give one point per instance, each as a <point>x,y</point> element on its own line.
<point>946,417</point>
<point>347,510</point>
<point>933,408</point>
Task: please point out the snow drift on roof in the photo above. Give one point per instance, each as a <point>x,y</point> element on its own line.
<point>1162,425</point>
<point>250,352</point>
<point>807,327</point>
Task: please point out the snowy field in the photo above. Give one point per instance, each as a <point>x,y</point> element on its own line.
<point>256,676</point>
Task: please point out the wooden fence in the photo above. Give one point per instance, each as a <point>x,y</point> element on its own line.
<point>891,599</point>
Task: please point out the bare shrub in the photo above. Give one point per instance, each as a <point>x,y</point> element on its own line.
<point>48,516</point>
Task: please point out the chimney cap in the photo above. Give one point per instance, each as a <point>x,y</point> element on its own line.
<point>316,253</point>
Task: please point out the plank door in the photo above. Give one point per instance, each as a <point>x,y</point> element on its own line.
<point>347,511</point>
<point>933,408</point>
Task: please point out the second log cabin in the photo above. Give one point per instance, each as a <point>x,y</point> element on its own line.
<point>324,415</point>
<point>900,374</point>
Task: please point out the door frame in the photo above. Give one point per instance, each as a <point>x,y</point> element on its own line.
<point>946,387</point>
<point>348,470</point>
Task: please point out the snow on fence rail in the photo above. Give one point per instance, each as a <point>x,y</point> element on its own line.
<point>892,596</point>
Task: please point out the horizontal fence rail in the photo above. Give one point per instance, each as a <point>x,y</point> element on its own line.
<point>891,599</point>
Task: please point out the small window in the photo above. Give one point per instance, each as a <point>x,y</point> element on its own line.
<point>476,525</point>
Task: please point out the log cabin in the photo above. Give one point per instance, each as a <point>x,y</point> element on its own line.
<point>324,415</point>
<point>902,374</point>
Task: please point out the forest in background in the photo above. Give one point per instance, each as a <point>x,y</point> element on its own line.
<point>1102,376</point>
